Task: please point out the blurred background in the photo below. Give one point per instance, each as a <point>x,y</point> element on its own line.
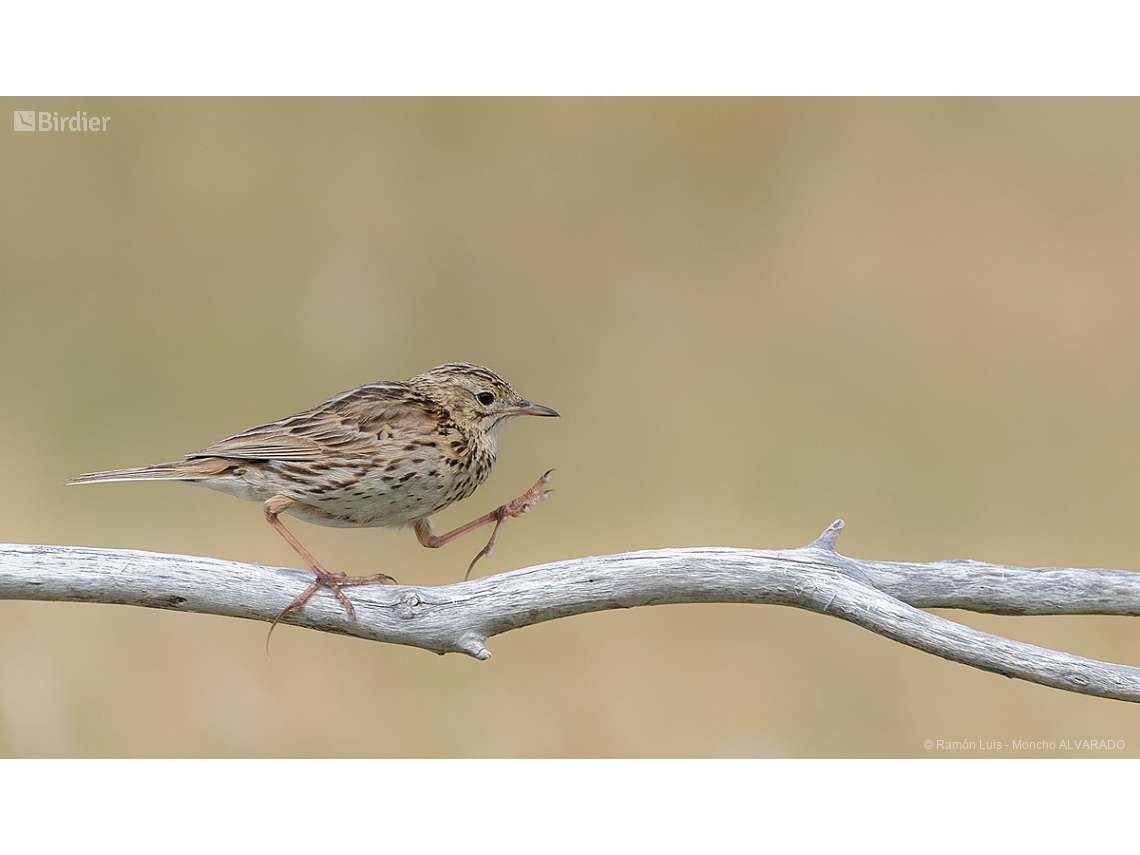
<point>755,316</point>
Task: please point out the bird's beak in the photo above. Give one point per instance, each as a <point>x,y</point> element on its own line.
<point>526,408</point>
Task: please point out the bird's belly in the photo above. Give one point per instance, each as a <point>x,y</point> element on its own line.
<point>378,498</point>
<point>369,505</point>
<point>352,494</point>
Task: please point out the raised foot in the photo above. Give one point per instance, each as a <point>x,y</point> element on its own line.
<point>519,506</point>
<point>514,508</point>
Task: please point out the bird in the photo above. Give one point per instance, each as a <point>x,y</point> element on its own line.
<point>388,454</point>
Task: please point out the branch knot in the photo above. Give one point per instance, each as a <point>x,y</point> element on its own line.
<point>408,605</point>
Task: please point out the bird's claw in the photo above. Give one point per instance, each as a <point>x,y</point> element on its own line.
<point>334,582</point>
<point>518,506</point>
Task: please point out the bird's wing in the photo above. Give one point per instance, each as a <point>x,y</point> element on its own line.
<point>353,423</point>
<point>262,444</point>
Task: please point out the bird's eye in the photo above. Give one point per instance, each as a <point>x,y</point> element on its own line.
<point>485,398</point>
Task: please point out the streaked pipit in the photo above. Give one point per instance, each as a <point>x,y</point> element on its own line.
<point>386,454</point>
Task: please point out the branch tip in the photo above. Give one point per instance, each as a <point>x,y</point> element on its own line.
<point>827,539</point>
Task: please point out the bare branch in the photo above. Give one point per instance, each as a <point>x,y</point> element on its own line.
<point>884,597</point>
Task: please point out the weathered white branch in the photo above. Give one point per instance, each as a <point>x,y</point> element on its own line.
<point>884,597</point>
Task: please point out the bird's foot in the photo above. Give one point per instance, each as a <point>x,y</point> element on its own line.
<point>334,582</point>
<point>519,506</point>
<point>514,508</point>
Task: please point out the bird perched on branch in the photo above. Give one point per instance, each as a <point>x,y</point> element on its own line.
<point>386,454</point>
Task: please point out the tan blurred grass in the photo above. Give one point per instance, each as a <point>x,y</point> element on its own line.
<point>755,316</point>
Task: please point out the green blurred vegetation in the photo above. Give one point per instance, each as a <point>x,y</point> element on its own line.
<point>755,316</point>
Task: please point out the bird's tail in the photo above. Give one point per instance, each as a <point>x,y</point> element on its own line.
<point>182,470</point>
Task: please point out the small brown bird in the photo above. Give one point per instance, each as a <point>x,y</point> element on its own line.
<point>387,454</point>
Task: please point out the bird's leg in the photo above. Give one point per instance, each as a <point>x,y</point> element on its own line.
<point>325,579</point>
<point>514,508</point>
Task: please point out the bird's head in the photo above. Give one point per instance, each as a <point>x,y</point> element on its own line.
<point>477,397</point>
